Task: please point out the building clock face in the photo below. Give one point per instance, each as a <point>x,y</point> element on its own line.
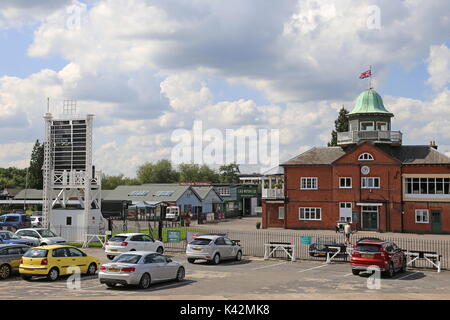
<point>365,170</point>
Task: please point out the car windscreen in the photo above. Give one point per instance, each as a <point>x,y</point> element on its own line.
<point>200,242</point>
<point>36,253</point>
<point>46,233</point>
<point>368,247</point>
<point>118,238</point>
<point>128,258</point>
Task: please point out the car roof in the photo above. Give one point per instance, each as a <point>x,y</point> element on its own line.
<point>131,234</point>
<point>140,253</point>
<point>54,246</point>
<point>379,242</point>
<point>14,214</point>
<point>209,236</point>
<point>6,245</point>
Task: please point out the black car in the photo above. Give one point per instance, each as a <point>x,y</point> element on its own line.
<point>321,248</point>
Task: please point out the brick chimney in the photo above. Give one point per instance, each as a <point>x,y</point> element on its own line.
<point>433,144</point>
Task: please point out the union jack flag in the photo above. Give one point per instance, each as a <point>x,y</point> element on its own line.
<point>366,74</point>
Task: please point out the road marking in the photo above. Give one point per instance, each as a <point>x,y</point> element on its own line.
<point>272,265</point>
<point>350,274</point>
<point>321,266</point>
<point>412,273</point>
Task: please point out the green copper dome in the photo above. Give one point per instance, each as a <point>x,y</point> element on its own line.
<point>369,101</point>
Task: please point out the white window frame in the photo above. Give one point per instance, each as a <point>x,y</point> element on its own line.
<point>345,187</point>
<point>365,185</point>
<point>346,207</point>
<point>372,122</point>
<point>280,213</point>
<point>314,183</point>
<point>422,212</point>
<point>383,123</point>
<point>365,157</point>
<point>309,211</point>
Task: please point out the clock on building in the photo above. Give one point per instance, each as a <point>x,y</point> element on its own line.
<point>365,170</point>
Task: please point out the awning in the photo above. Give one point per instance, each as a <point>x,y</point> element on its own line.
<point>368,204</point>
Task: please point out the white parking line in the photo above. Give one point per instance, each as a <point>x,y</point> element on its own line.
<point>349,274</point>
<point>408,275</point>
<point>272,265</point>
<point>321,266</point>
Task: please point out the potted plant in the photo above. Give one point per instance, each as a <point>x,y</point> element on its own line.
<point>258,225</point>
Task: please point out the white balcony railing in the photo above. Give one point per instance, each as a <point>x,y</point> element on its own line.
<point>272,193</point>
<point>393,137</point>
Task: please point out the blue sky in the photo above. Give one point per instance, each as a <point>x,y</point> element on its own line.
<point>149,67</point>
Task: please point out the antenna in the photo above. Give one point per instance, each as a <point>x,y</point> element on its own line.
<point>48,104</point>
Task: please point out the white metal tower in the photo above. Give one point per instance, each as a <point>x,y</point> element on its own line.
<point>72,188</point>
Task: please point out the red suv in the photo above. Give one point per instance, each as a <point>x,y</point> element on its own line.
<point>383,254</point>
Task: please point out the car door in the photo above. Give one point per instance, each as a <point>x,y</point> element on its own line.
<point>231,248</point>
<point>392,256</point>
<point>222,248</point>
<point>165,269</point>
<point>151,266</point>
<point>398,256</point>
<point>78,259</point>
<point>148,244</point>
<point>136,243</point>
<point>61,259</point>
<point>14,254</point>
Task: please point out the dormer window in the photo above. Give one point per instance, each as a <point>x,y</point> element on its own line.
<point>365,157</point>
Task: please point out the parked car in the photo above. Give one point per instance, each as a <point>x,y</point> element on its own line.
<point>8,237</point>
<point>126,242</point>
<point>321,248</point>
<point>54,260</point>
<point>15,220</point>
<point>213,248</point>
<point>44,236</point>
<point>383,254</point>
<point>36,221</point>
<point>10,255</point>
<point>140,268</point>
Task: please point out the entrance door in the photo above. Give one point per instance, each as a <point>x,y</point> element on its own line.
<point>435,221</point>
<point>369,218</point>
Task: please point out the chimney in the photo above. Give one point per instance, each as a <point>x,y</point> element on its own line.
<point>433,144</point>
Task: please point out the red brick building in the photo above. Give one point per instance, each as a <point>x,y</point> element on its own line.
<point>370,180</point>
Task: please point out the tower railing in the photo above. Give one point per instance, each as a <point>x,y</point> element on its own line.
<point>349,137</point>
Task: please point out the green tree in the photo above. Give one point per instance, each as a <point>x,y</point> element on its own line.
<point>12,178</point>
<point>35,178</point>
<point>229,173</point>
<point>340,125</point>
<point>112,182</point>
<point>160,172</point>
<point>196,173</point>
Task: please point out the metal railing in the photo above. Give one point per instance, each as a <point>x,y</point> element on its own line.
<point>272,193</point>
<point>380,136</point>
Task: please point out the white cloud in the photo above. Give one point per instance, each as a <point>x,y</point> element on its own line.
<point>439,66</point>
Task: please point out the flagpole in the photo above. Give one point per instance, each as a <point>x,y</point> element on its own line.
<point>370,77</point>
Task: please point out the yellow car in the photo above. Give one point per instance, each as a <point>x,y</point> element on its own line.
<point>55,260</point>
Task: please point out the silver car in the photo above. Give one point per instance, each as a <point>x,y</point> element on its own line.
<point>10,255</point>
<point>213,248</point>
<point>141,268</point>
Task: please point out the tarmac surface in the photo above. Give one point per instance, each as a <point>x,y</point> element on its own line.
<point>251,278</point>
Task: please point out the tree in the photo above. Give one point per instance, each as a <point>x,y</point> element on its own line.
<point>196,173</point>
<point>35,177</point>
<point>340,125</point>
<point>112,182</point>
<point>229,173</point>
<point>160,172</point>
<point>12,178</point>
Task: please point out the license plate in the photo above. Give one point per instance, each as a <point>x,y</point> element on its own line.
<point>367,256</point>
<point>196,249</point>
<point>113,250</point>
<point>113,270</point>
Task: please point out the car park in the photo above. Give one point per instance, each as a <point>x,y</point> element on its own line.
<point>125,242</point>
<point>9,237</point>
<point>385,255</point>
<point>55,260</point>
<point>36,221</point>
<point>322,248</point>
<point>10,255</point>
<point>213,248</point>
<point>140,268</point>
<point>44,236</point>
<point>15,220</point>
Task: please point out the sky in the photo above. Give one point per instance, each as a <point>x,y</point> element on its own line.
<point>147,68</point>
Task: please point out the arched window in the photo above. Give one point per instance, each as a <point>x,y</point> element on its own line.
<point>365,157</point>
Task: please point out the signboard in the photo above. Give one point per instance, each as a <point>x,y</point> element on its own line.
<point>173,236</point>
<point>247,191</point>
<point>199,183</point>
<point>305,240</point>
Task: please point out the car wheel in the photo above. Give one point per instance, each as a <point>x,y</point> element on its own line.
<point>110,285</point>
<point>145,281</point>
<point>92,269</point>
<point>5,271</point>
<point>160,250</point>
<point>191,260</point>
<point>53,274</point>
<point>390,271</point>
<point>43,244</point>
<point>403,268</point>
<point>355,272</point>
<point>132,250</point>
<point>180,274</point>
<point>239,256</point>
<point>110,257</point>
<point>26,277</point>
<point>216,259</point>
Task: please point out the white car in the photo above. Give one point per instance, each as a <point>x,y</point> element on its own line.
<point>213,248</point>
<point>36,221</point>
<point>42,236</point>
<point>126,242</point>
